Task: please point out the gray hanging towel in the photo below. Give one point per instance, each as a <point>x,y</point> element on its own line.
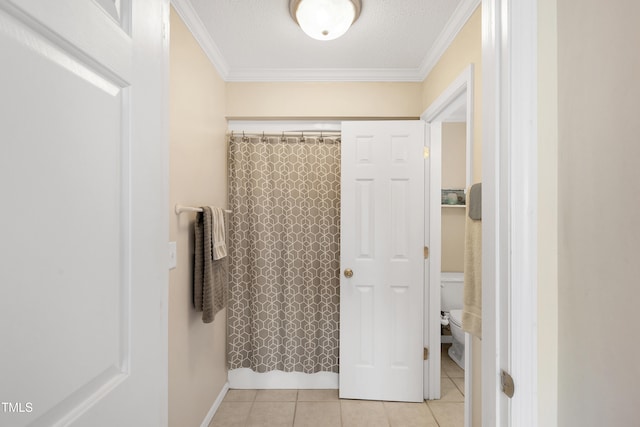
<point>475,202</point>
<point>209,275</point>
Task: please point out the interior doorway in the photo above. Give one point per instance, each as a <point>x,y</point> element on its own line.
<point>455,105</point>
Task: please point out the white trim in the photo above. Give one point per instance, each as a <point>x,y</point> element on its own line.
<point>215,406</point>
<point>459,18</point>
<point>447,101</point>
<point>509,229</point>
<point>433,239</point>
<point>491,103</point>
<point>457,87</point>
<point>435,231</point>
<point>468,380</point>
<point>245,378</point>
<point>166,185</point>
<point>459,91</point>
<point>270,126</point>
<point>201,34</point>
<point>523,206</point>
<point>325,75</point>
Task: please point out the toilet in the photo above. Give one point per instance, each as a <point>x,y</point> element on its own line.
<point>456,351</point>
<point>452,288</point>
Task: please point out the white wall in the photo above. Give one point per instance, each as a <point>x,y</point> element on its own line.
<point>598,212</point>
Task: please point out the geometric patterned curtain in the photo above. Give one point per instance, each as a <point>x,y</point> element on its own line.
<point>284,253</point>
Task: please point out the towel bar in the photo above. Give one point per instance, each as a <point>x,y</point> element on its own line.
<point>179,209</point>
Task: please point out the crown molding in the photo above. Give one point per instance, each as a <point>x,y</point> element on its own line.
<point>325,75</point>
<point>202,36</point>
<point>459,18</point>
<point>191,19</point>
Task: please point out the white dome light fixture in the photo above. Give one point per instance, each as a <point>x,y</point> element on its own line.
<point>325,19</point>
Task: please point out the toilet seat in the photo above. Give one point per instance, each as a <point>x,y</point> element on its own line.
<point>455,317</point>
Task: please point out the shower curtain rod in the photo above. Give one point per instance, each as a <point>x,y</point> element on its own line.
<point>289,133</point>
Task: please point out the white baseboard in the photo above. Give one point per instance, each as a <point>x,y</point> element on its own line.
<point>247,379</point>
<point>215,406</point>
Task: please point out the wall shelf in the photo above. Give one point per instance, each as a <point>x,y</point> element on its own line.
<point>454,206</point>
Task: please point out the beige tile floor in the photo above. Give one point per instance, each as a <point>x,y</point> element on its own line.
<point>294,408</point>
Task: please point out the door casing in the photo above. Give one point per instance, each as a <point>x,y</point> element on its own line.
<point>459,92</point>
<point>509,210</point>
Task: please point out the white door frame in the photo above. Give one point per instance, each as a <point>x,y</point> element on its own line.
<point>509,224</point>
<point>459,92</point>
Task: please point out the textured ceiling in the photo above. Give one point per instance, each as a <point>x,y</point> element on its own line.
<point>393,40</point>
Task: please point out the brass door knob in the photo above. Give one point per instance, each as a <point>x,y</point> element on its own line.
<point>348,273</point>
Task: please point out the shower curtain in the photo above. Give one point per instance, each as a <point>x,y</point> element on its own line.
<point>284,242</point>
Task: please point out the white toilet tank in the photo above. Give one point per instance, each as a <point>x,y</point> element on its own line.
<point>451,292</point>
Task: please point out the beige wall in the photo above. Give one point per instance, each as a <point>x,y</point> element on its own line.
<point>323,100</point>
<point>598,205</point>
<point>197,367</point>
<point>547,214</point>
<point>466,49</point>
<point>454,144</point>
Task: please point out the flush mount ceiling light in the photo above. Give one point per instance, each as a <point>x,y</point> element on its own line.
<point>325,19</point>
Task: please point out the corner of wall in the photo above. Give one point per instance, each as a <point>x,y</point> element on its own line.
<point>197,351</point>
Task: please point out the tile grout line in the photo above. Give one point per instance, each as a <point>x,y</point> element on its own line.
<point>295,408</point>
<point>386,414</point>
<point>433,414</point>
<point>246,421</point>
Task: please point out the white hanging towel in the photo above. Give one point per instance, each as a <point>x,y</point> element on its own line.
<point>218,238</point>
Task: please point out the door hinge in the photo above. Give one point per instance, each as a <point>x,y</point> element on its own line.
<point>426,252</point>
<point>426,152</point>
<point>425,355</point>
<point>507,384</point>
<point>165,31</point>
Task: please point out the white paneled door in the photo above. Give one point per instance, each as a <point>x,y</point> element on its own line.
<point>382,260</point>
<point>84,219</point>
